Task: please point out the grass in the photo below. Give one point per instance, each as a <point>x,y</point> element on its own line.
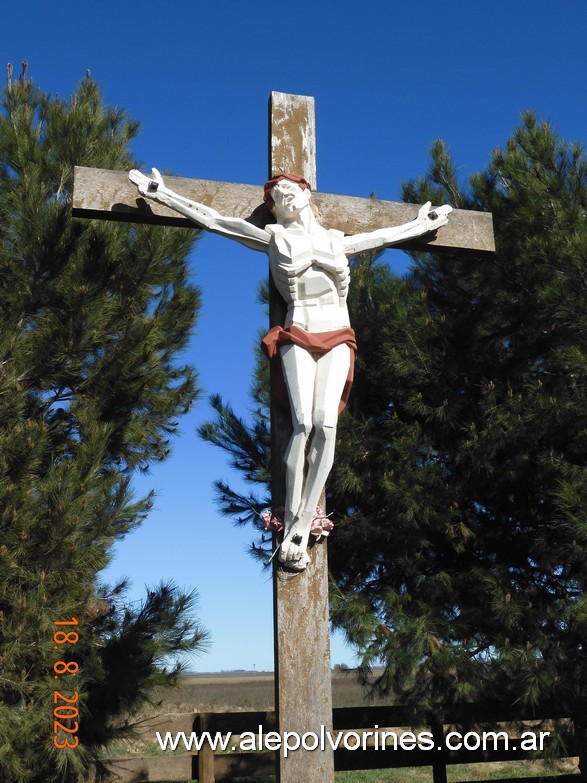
<point>469,772</point>
<point>404,775</point>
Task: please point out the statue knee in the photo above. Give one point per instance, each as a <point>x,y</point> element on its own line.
<point>302,428</point>
<point>324,424</point>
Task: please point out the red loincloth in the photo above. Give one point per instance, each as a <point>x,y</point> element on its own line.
<point>315,342</point>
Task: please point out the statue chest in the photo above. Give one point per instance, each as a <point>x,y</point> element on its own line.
<point>295,248</point>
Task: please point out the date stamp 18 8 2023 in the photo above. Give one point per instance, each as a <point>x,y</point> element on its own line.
<point>65,711</point>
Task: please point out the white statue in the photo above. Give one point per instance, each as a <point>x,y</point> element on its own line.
<point>310,268</point>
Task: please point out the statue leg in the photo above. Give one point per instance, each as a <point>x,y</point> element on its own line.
<point>299,369</point>
<point>331,373</point>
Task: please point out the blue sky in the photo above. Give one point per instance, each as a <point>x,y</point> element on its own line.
<point>388,79</point>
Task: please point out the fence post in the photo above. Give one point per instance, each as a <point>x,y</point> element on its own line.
<point>205,754</point>
<point>439,763</point>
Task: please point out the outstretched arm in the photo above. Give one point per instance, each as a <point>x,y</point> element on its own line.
<point>384,237</point>
<point>235,228</point>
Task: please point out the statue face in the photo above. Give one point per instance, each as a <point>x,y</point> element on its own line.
<point>289,198</point>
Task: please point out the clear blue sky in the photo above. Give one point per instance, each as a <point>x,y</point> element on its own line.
<point>388,79</point>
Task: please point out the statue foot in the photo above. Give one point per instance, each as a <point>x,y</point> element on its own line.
<point>293,550</point>
<point>296,565</point>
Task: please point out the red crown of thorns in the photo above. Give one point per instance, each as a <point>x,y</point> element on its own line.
<point>267,197</point>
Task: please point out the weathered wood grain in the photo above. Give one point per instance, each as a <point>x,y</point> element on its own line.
<point>109,195</point>
<point>292,136</point>
<point>303,689</point>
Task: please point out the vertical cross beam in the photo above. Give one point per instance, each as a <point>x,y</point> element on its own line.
<point>303,691</point>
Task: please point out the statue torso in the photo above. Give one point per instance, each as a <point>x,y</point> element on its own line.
<point>316,295</point>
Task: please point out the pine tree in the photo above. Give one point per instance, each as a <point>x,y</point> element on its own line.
<point>92,320</point>
<point>460,482</point>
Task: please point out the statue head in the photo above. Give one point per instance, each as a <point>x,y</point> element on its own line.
<point>270,184</point>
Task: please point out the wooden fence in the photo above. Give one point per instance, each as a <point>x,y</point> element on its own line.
<point>209,767</point>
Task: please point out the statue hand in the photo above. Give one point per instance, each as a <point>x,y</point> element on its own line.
<point>147,186</point>
<point>434,219</point>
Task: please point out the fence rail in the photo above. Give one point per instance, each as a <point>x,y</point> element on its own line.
<point>210,767</point>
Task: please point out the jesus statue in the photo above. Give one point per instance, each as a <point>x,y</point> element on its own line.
<point>309,265</point>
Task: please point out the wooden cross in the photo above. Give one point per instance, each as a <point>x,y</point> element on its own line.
<point>303,698</point>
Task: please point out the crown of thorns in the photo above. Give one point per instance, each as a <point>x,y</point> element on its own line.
<point>268,198</point>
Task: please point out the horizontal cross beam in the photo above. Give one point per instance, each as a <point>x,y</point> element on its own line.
<point>108,195</point>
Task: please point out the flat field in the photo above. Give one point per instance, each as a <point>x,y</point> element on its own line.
<point>249,691</point>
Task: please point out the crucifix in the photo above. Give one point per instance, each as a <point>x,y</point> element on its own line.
<point>310,331</point>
